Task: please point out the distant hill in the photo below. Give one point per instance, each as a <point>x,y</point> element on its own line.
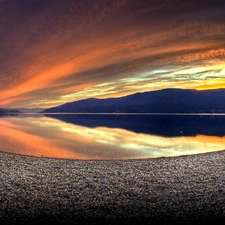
<point>30,110</point>
<point>9,111</point>
<point>161,101</point>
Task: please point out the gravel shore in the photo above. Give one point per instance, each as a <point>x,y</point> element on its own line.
<point>179,190</point>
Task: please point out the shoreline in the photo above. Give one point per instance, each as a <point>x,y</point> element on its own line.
<point>175,190</point>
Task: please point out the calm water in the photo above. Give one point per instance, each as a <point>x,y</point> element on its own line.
<point>79,136</point>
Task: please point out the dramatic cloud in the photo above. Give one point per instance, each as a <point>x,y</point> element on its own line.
<point>54,51</point>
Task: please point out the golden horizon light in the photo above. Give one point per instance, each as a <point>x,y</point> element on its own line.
<point>53,52</point>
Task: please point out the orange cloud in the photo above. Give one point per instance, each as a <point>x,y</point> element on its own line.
<point>61,51</point>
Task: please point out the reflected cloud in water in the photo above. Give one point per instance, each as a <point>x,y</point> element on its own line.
<point>104,137</point>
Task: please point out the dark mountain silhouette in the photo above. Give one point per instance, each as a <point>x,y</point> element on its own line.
<point>161,101</point>
<point>9,111</point>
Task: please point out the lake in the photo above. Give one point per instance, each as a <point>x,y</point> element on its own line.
<point>111,136</point>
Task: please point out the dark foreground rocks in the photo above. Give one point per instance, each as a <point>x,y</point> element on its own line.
<point>180,190</point>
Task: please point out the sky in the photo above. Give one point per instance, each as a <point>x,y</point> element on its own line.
<point>57,51</point>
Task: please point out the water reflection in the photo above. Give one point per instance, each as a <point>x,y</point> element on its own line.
<point>111,136</point>
<point>161,125</point>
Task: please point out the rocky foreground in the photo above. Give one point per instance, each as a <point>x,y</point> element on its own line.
<point>180,190</point>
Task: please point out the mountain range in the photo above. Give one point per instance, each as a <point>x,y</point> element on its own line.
<point>160,101</point>
<point>9,111</point>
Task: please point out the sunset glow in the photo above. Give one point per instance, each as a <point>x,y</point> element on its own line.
<point>54,52</point>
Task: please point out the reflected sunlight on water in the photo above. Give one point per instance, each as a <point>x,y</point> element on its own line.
<point>50,137</point>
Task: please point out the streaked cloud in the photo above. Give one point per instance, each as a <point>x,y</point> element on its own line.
<point>56,51</point>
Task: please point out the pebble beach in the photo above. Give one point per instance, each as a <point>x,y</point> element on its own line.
<point>174,190</point>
